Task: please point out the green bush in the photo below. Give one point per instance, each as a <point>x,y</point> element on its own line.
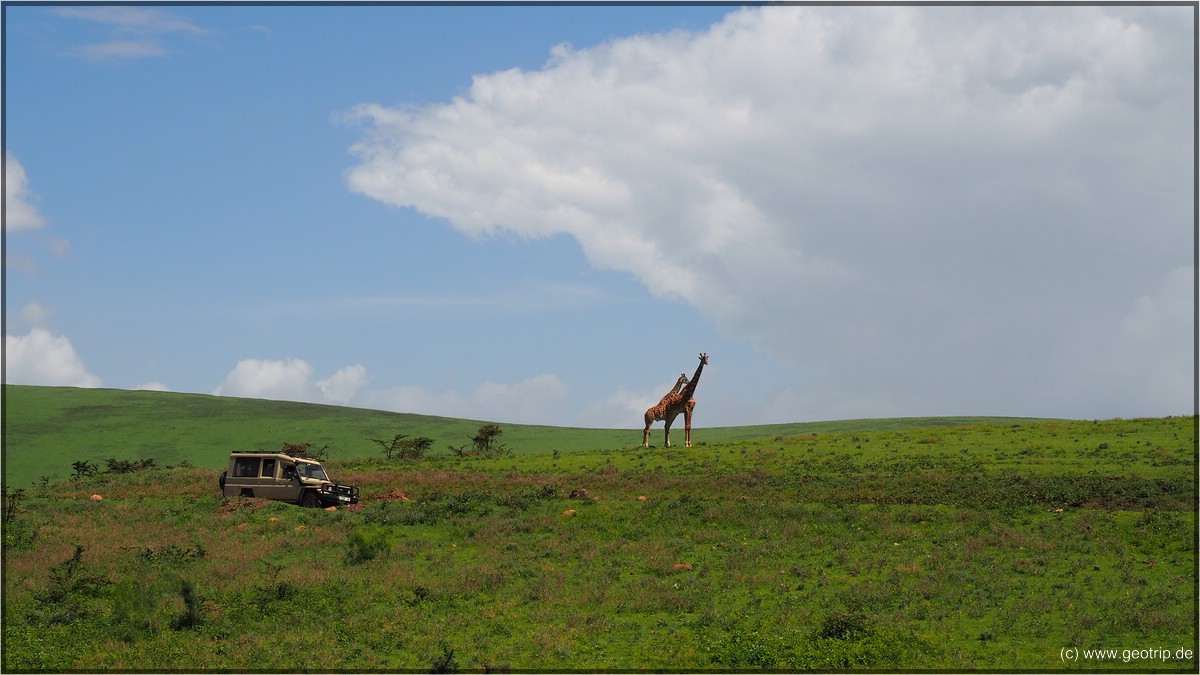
<point>192,609</point>
<point>133,610</point>
<point>365,545</point>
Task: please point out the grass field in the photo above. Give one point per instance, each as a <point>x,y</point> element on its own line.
<point>48,428</point>
<point>905,545</point>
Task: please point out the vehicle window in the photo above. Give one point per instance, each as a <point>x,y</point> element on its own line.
<point>289,471</point>
<point>268,468</point>
<point>246,467</point>
<point>312,471</point>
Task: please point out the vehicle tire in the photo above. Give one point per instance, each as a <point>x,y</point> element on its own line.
<point>310,500</point>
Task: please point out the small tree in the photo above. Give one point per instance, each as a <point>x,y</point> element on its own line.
<point>485,440</point>
<point>403,447</point>
<point>296,449</point>
<point>391,447</point>
<point>415,448</point>
<point>305,450</point>
<point>83,469</point>
<point>128,465</point>
<point>483,443</point>
<point>10,503</point>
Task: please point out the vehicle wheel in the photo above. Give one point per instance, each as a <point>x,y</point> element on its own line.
<point>310,500</point>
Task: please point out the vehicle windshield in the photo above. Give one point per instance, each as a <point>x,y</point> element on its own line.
<point>308,470</point>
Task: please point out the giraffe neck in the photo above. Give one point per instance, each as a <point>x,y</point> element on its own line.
<point>691,386</point>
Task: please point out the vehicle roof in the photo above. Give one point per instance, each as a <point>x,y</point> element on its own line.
<point>272,453</point>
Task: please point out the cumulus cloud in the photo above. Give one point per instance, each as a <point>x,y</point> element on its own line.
<point>536,400</point>
<point>19,211</point>
<point>341,387</point>
<point>924,208</point>
<point>291,380</point>
<point>45,358</point>
<point>258,378</point>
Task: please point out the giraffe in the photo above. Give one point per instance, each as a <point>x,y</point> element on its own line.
<point>679,384</point>
<point>678,401</point>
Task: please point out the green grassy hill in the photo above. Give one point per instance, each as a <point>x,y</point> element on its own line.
<point>46,429</point>
<point>987,546</point>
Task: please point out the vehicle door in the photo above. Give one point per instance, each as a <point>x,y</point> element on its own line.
<point>268,479</point>
<point>288,484</point>
<point>243,479</point>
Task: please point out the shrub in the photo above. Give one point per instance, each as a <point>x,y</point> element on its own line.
<point>484,443</point>
<point>82,469</point>
<point>10,504</point>
<point>446,662</point>
<point>69,586</point>
<point>171,555</point>
<point>843,626</point>
<point>128,465</point>
<point>133,611</point>
<point>403,447</point>
<point>524,500</point>
<point>749,650</point>
<point>192,609</point>
<point>363,545</point>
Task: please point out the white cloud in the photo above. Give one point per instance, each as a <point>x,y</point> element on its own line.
<point>152,386</point>
<point>291,380</point>
<point>1138,362</point>
<point>44,358</point>
<point>536,400</point>
<point>917,206</point>
<point>341,387</point>
<point>19,211</point>
<point>132,19</point>
<point>281,380</point>
<point>624,408</point>
<point>131,33</point>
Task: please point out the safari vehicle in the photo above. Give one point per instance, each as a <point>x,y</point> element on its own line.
<point>285,477</point>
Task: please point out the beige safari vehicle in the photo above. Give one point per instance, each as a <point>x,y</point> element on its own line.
<point>283,477</point>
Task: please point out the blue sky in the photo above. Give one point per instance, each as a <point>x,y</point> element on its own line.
<point>543,215</point>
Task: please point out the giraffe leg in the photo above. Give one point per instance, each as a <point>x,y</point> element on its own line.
<point>667,432</point>
<point>687,423</point>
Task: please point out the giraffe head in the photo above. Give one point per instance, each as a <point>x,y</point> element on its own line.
<point>680,383</point>
<point>704,359</point>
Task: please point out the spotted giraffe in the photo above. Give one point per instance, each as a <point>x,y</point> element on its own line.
<point>678,401</point>
<point>679,384</point>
